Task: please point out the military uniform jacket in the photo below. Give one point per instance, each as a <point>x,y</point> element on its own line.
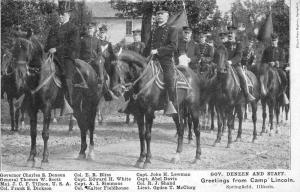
<point>65,38</point>
<point>164,39</point>
<point>88,48</point>
<point>103,45</point>
<point>248,56</point>
<point>191,49</point>
<point>234,50</point>
<point>273,54</point>
<point>137,47</point>
<point>206,53</point>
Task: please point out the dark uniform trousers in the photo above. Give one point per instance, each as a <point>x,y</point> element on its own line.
<point>65,38</point>
<point>165,40</point>
<point>276,54</point>
<point>234,50</point>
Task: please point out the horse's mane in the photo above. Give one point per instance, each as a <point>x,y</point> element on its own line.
<point>32,42</point>
<point>132,57</point>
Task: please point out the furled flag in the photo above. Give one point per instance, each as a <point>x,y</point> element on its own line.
<point>266,29</point>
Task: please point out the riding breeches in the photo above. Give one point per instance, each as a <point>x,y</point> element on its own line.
<point>169,78</point>
<point>242,77</point>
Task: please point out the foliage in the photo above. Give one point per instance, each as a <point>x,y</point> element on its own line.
<point>200,14</point>
<point>37,15</point>
<point>253,14</point>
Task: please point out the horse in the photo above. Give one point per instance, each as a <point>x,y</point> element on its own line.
<point>8,86</point>
<point>229,97</point>
<point>133,69</point>
<point>35,74</point>
<point>272,95</point>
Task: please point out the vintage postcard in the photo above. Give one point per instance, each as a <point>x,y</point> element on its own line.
<point>144,95</point>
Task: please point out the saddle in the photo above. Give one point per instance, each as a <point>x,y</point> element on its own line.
<point>236,78</point>
<point>181,82</point>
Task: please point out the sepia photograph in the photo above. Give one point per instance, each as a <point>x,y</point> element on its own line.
<point>137,85</point>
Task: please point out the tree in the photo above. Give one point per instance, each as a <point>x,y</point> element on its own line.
<point>201,14</point>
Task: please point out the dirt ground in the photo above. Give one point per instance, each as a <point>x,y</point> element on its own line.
<point>117,148</point>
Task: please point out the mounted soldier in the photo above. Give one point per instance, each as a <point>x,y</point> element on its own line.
<point>63,40</point>
<point>275,56</point>
<point>103,43</point>
<point>234,49</point>
<point>187,50</point>
<point>89,50</point>
<point>248,55</point>
<point>206,52</point>
<point>164,40</point>
<point>137,45</point>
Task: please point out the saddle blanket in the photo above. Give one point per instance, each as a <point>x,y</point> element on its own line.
<point>181,82</point>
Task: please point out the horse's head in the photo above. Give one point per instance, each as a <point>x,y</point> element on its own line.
<point>265,71</point>
<point>27,54</point>
<point>220,58</point>
<point>125,70</point>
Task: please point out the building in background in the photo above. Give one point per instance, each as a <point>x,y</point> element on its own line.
<point>119,28</point>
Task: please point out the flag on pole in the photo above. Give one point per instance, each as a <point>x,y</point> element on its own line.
<point>266,29</point>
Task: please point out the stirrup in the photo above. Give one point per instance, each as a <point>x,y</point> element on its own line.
<point>250,97</point>
<point>285,99</point>
<point>124,107</point>
<point>67,108</point>
<point>170,109</point>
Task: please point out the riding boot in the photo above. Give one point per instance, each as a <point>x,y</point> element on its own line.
<point>244,86</point>
<point>170,109</point>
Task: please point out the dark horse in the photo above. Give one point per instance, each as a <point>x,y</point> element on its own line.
<point>229,97</point>
<point>132,68</point>
<point>35,73</point>
<point>8,86</point>
<point>272,94</point>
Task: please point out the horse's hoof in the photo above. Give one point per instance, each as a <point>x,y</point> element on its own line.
<point>146,165</point>
<point>81,157</point>
<point>277,131</point>
<point>238,139</point>
<point>271,133</point>
<point>91,156</point>
<point>216,144</point>
<point>229,145</point>
<point>44,163</point>
<point>196,161</point>
<point>254,140</point>
<point>175,159</point>
<point>30,163</point>
<point>139,164</point>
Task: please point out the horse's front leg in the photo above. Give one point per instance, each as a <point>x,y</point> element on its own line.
<point>264,116</point>
<point>230,122</point>
<point>33,134</point>
<point>12,114</point>
<point>195,117</point>
<point>91,127</point>
<point>239,111</point>
<point>277,112</point>
<point>180,133</point>
<point>45,132</point>
<point>141,123</point>
<point>220,120</point>
<point>212,116</point>
<point>17,115</point>
<point>149,122</point>
<point>82,123</point>
<point>254,118</point>
<point>271,115</point>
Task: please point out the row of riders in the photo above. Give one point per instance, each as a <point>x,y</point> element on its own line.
<point>84,81</point>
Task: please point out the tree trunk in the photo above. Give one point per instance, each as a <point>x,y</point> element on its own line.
<point>146,28</point>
